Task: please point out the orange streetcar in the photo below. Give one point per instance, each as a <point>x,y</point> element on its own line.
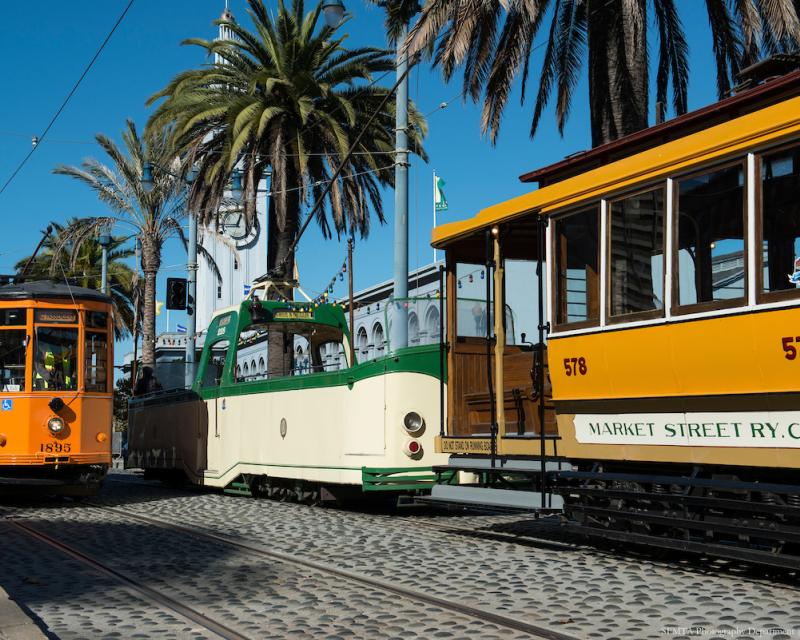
<point>55,388</point>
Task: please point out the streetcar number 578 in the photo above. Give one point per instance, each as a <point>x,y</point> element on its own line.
<point>575,366</point>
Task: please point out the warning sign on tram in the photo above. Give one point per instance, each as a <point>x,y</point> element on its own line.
<point>466,445</point>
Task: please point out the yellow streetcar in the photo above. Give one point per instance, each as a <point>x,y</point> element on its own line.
<point>665,406</point>
<point>55,388</point>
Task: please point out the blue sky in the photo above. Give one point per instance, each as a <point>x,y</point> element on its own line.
<point>47,45</point>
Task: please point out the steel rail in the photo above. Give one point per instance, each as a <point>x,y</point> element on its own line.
<point>154,596</point>
<point>478,613</point>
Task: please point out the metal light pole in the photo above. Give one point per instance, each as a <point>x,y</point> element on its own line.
<point>398,336</point>
<point>105,242</point>
<point>399,329</point>
<point>191,307</point>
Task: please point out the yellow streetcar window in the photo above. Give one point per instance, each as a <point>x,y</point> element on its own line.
<point>710,244</point>
<point>13,344</point>
<point>577,249</point>
<point>637,254</point>
<point>471,312</point>
<point>55,359</point>
<point>780,221</point>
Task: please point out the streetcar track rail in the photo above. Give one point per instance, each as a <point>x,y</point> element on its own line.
<point>153,596</point>
<point>484,615</point>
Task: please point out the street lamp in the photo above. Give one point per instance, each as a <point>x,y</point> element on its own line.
<point>236,185</point>
<point>147,181</point>
<point>333,10</point>
<point>104,240</point>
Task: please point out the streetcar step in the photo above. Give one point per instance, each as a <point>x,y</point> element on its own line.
<point>238,489</point>
<point>475,464</point>
<point>459,495</point>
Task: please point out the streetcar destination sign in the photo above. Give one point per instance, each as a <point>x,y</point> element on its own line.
<point>718,429</point>
<point>293,315</point>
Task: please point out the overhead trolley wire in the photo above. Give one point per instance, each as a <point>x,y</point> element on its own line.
<point>68,98</point>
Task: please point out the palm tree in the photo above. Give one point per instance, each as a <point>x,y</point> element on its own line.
<point>152,215</point>
<point>493,41</point>
<point>290,98</point>
<point>60,260</point>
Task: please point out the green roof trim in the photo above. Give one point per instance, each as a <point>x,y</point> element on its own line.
<point>424,359</point>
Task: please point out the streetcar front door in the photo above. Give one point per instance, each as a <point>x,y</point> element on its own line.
<point>212,378</point>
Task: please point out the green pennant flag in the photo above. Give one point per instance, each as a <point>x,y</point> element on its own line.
<point>439,200</point>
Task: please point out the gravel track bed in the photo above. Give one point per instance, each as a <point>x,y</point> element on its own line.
<point>543,578</point>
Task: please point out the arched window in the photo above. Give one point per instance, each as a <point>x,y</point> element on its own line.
<point>413,328</point>
<point>246,370</point>
<point>433,324</point>
<point>238,372</point>
<point>300,361</point>
<point>363,342</point>
<point>262,366</point>
<point>377,339</point>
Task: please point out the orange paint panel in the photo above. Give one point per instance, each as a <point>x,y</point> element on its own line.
<point>25,428</point>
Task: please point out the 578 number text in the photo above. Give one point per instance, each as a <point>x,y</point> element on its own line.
<point>575,366</point>
<point>789,350</point>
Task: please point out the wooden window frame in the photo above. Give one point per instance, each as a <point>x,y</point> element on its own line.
<point>762,296</point>
<point>713,305</point>
<point>553,294</point>
<point>636,315</point>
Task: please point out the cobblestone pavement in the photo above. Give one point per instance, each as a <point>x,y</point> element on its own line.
<point>256,597</point>
<point>510,564</point>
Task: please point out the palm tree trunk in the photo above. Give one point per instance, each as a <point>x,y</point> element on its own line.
<point>618,73</point>
<point>280,353</point>
<point>151,259</point>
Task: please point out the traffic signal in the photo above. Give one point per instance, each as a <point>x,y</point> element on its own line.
<point>176,294</point>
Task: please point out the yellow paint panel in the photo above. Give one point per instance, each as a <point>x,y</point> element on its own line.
<point>716,356</point>
<point>737,135</point>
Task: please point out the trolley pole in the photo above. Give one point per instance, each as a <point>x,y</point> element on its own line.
<point>350,295</point>
<point>28,264</point>
<point>399,332</point>
<point>105,242</point>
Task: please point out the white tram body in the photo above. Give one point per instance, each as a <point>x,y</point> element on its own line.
<point>299,423</point>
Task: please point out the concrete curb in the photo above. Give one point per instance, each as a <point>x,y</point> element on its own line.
<point>15,623</point>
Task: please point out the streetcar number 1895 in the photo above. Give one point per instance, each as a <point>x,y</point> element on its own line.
<point>55,447</point>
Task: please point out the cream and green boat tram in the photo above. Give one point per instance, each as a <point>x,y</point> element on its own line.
<point>302,424</point>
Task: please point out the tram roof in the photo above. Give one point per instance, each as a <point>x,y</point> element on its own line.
<point>47,290</point>
<point>731,125</point>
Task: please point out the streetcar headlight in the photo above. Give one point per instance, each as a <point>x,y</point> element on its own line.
<point>413,422</point>
<point>101,437</point>
<point>3,440</point>
<point>55,425</point>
